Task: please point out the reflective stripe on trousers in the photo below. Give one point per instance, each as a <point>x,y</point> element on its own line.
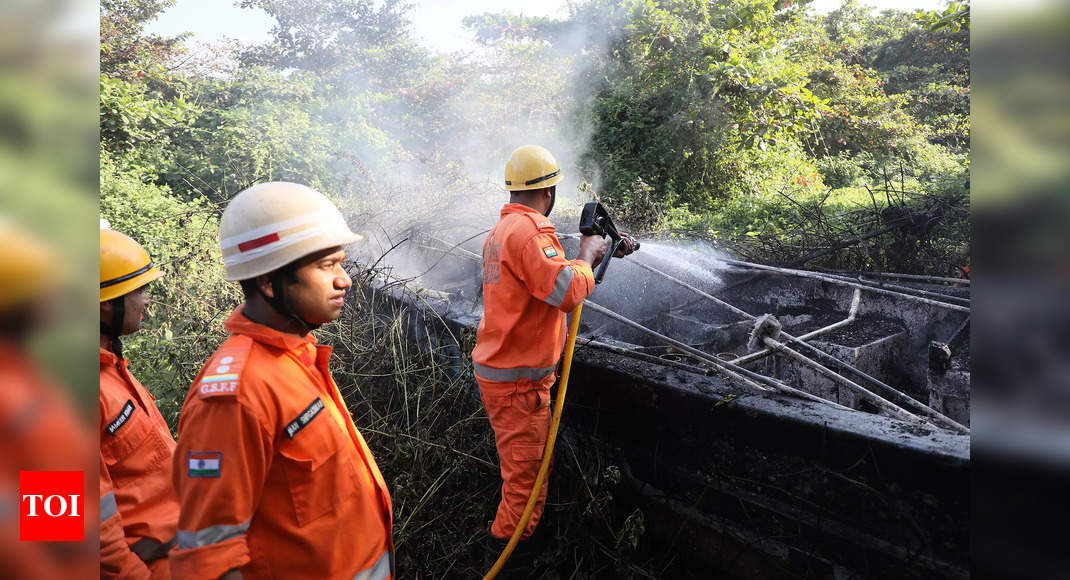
<point>511,375</point>
<point>108,507</point>
<point>379,570</point>
<point>208,536</point>
<point>561,284</point>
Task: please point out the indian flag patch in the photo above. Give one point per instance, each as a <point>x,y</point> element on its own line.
<point>204,463</point>
<point>550,251</point>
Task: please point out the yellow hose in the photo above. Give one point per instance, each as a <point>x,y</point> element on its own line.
<point>548,452</point>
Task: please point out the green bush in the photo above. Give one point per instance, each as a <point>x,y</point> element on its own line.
<point>183,326</point>
<point>839,171</point>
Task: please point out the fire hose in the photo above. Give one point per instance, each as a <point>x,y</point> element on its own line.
<point>548,452</point>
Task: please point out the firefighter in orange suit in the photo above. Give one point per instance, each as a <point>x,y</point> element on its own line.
<point>135,443</point>
<point>42,430</point>
<point>274,479</point>
<point>528,287</point>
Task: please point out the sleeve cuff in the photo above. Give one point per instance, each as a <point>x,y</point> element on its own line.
<point>584,269</point>
<point>587,273</point>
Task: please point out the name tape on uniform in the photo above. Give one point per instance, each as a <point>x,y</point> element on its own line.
<point>304,418</point>
<point>122,418</point>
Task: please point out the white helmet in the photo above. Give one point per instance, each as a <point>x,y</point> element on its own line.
<point>270,225</point>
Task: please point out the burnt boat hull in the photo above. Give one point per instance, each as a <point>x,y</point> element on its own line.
<point>754,485</point>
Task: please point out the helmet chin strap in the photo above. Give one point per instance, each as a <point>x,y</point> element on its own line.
<point>114,329</point>
<point>279,302</point>
<point>553,198</point>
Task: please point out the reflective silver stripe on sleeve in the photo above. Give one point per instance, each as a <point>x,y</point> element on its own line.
<point>561,284</point>
<point>510,375</point>
<point>379,570</point>
<point>108,507</point>
<point>209,536</point>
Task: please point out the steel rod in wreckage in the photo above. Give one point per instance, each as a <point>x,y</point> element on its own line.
<point>855,300</point>
<point>733,371</point>
<point>451,248</point>
<point>895,276</point>
<point>835,280</point>
<point>880,402</point>
<point>645,357</point>
<point>904,289</point>
<point>766,351</point>
<point>704,370</point>
<point>692,288</point>
<point>781,386</point>
<point>919,407</point>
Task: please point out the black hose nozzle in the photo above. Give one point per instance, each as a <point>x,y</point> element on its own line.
<point>595,221</point>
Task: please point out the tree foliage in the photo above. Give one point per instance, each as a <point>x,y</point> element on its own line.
<point>123,42</point>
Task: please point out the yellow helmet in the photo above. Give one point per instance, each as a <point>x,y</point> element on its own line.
<point>531,167</point>
<point>124,265</point>
<point>26,268</point>
<point>270,225</point>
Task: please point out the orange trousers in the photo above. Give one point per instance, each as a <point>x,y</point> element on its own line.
<point>520,415</point>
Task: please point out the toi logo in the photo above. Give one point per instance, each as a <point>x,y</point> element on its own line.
<point>52,505</point>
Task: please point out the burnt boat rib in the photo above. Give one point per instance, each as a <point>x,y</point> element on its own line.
<point>897,276</point>
<point>905,289</point>
<point>837,280</point>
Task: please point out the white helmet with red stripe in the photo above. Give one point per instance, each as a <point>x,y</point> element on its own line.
<point>270,225</point>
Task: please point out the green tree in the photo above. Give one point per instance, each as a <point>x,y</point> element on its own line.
<point>124,46</point>
<point>691,83</point>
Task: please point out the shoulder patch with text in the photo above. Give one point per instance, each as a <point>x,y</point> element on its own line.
<point>540,222</point>
<point>122,418</point>
<point>220,375</point>
<point>306,417</point>
<point>550,251</point>
<point>204,463</point>
<point>545,226</point>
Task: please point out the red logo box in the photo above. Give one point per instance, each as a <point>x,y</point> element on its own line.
<point>52,506</point>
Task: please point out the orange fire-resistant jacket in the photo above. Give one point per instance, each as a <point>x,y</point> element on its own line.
<point>273,477</point>
<point>136,451</point>
<point>528,286</point>
<point>41,432</point>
